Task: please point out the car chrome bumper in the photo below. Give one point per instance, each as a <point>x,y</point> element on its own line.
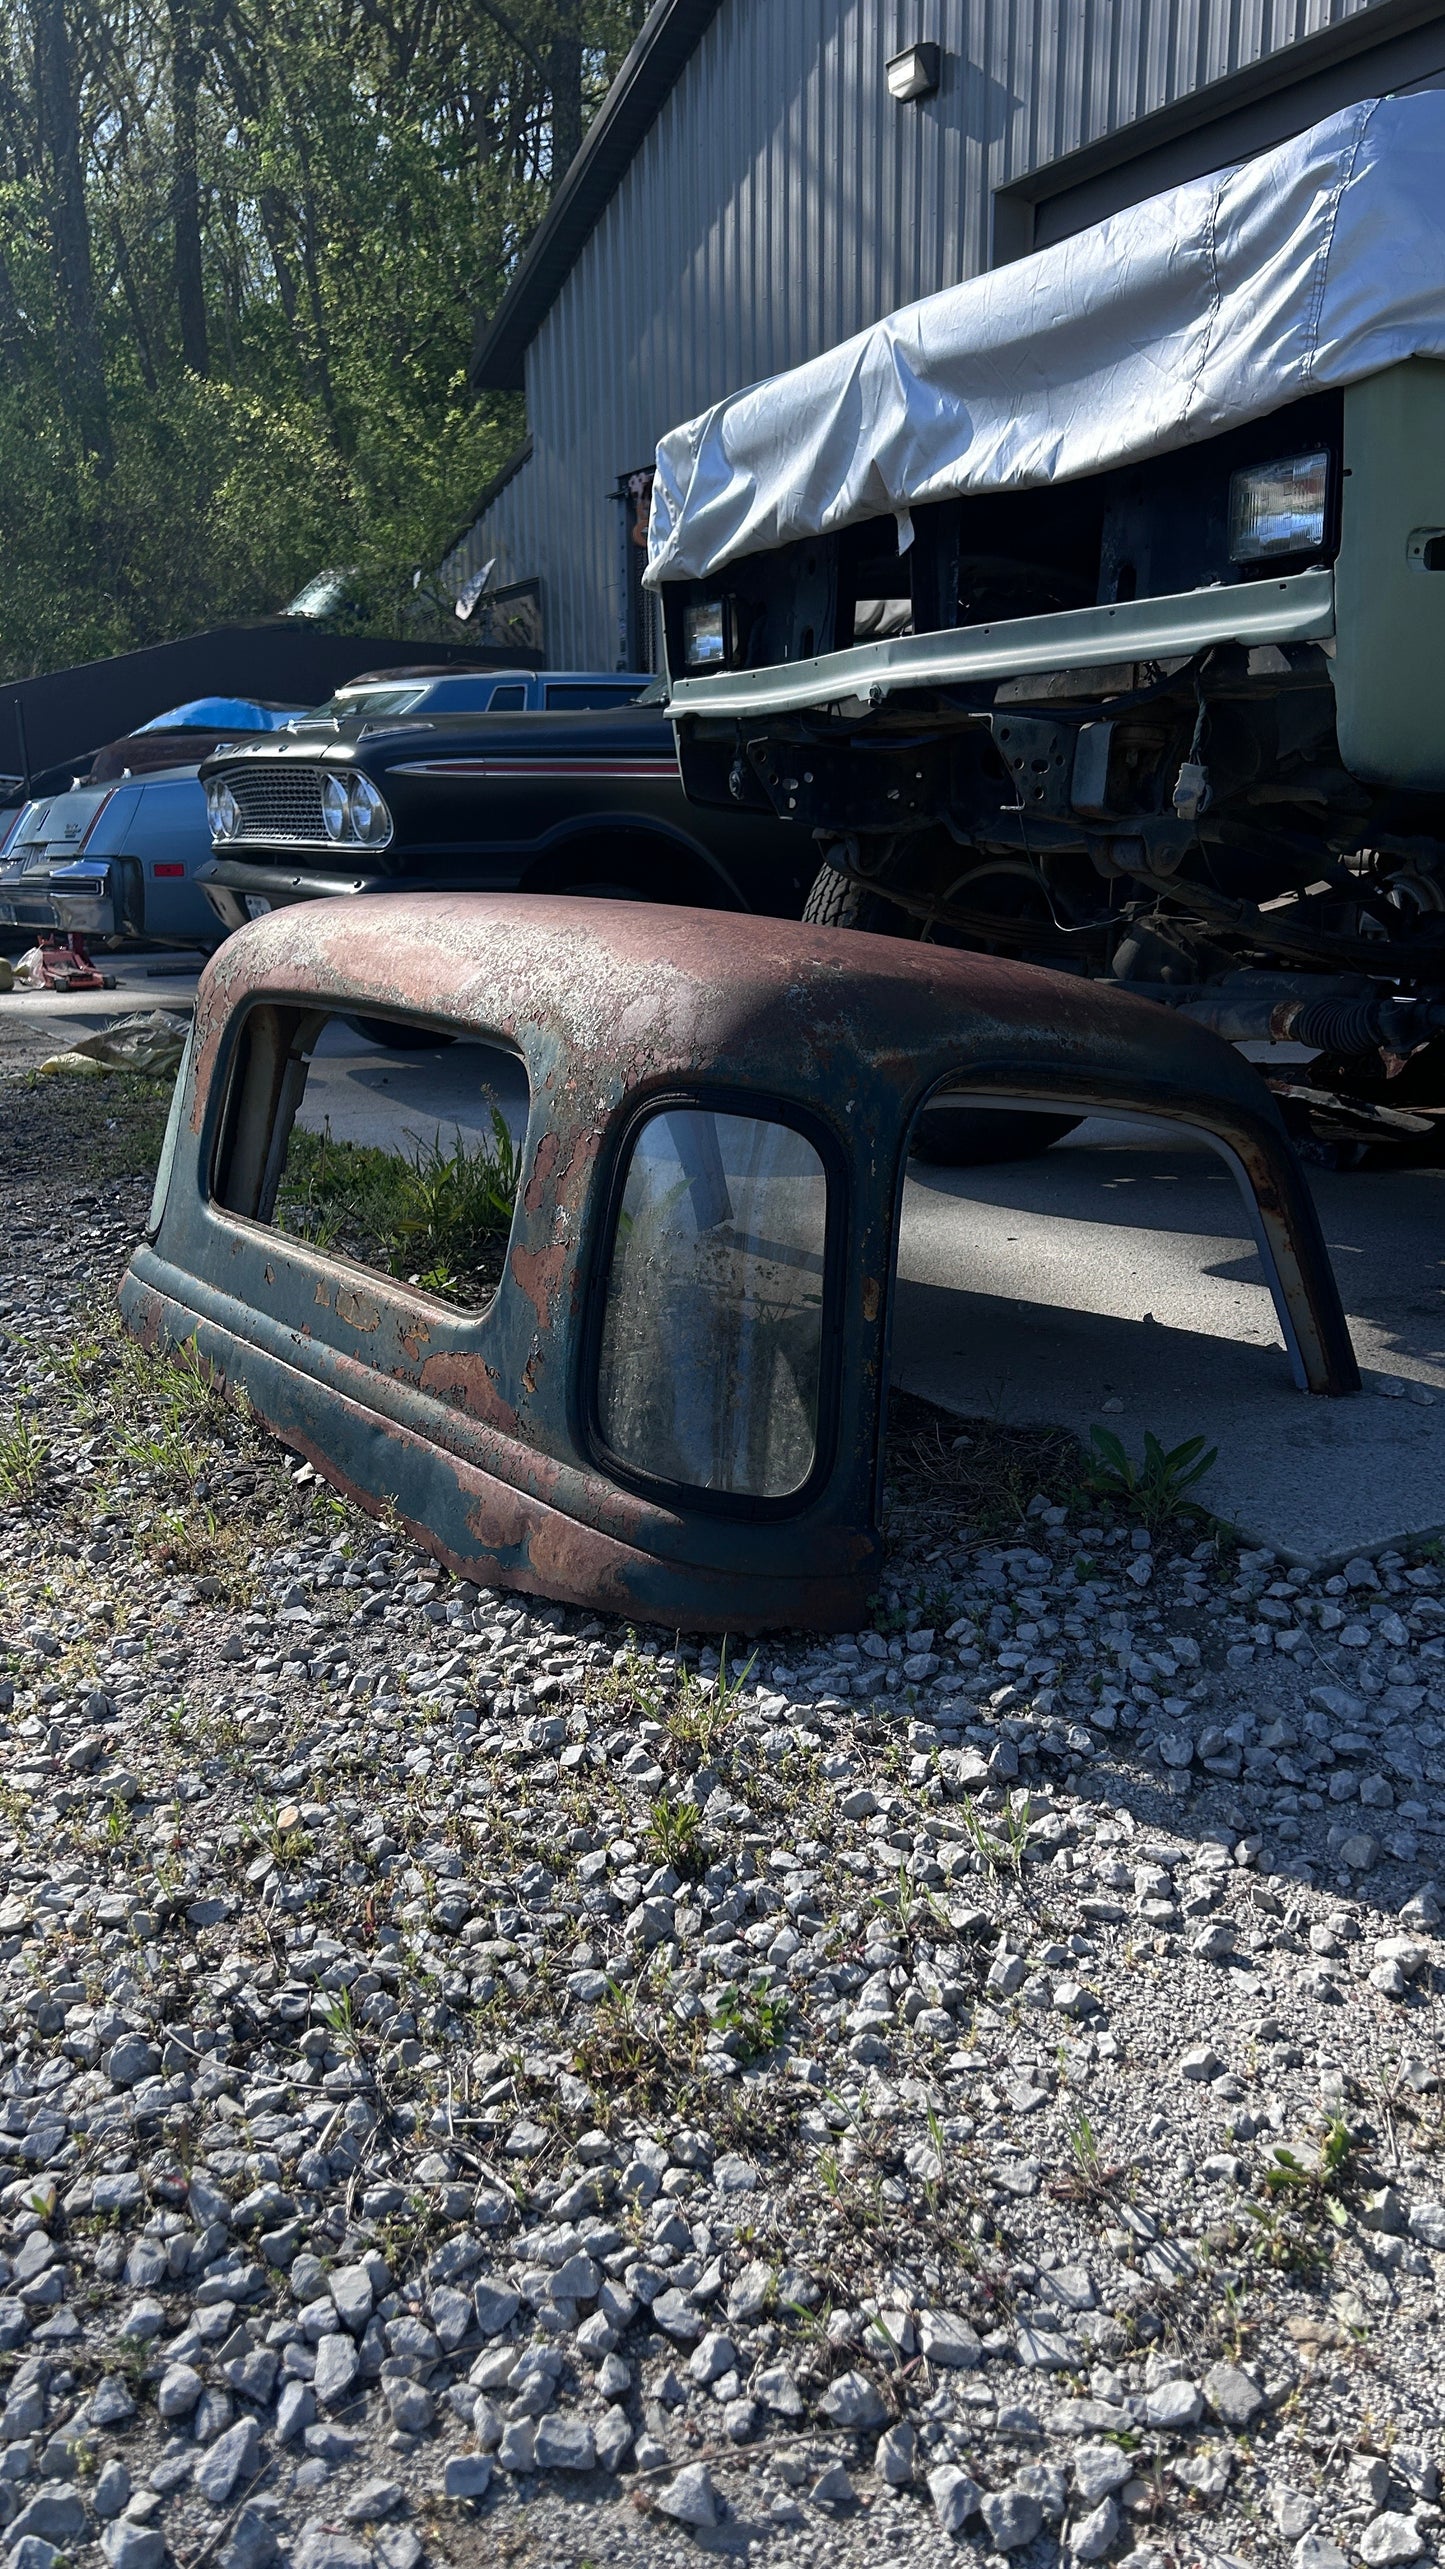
<point>87,899</point>
<point>25,902</point>
<point>238,891</point>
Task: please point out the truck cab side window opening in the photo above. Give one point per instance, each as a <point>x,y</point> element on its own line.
<point>710,1364</point>
<point>406,1166</point>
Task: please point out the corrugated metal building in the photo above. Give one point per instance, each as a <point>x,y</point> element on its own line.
<point>753,191</point>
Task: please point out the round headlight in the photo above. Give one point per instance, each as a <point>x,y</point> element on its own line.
<point>333,807</point>
<point>370,819</point>
<point>224,810</point>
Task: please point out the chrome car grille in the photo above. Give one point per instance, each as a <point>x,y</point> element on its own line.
<point>280,804</point>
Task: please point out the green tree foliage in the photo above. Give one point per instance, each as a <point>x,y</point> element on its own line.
<point>243,244</point>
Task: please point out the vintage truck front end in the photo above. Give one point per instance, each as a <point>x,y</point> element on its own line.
<point>1159,697</point>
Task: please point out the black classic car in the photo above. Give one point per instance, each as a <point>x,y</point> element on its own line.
<point>498,802</point>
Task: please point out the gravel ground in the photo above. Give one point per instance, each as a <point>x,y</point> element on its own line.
<point>481,2085</point>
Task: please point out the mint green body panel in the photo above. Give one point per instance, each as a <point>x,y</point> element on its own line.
<point>1389,666</point>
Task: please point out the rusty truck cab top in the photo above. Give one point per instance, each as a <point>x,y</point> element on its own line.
<point>668,1402</point>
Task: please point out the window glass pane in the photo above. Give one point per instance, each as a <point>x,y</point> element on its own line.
<point>712,1337</point>
<point>457,696</point>
<point>390,1144</point>
<point>508,700</point>
<point>592,694</point>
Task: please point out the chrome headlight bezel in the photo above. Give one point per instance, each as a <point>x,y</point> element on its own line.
<point>336,807</point>
<point>223,811</point>
<point>367,813</point>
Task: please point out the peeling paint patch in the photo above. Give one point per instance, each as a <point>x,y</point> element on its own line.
<point>357,1309</point>
<point>539,1274</point>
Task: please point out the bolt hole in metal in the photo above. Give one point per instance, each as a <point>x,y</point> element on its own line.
<point>1425,548</point>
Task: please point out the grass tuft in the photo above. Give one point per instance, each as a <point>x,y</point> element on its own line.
<point>439,1218</point>
<point>24,1455</point>
<point>1157,1490</point>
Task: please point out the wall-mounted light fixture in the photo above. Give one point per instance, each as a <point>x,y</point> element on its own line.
<point>914,73</point>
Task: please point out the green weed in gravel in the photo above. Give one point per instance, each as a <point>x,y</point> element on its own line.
<point>23,1456</point>
<point>1156,1490</point>
<point>752,2021</point>
<point>440,1218</point>
<point>674,1836</point>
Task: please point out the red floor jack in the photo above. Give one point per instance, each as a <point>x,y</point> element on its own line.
<point>65,962</point>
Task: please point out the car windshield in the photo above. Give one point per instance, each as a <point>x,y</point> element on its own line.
<point>354,701</point>
<point>468,692</point>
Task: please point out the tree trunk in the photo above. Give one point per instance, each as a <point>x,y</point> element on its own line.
<point>185,190</point>
<point>13,350</point>
<point>311,270</point>
<point>275,221</point>
<point>82,374</point>
<point>564,80</point>
<point>126,274</point>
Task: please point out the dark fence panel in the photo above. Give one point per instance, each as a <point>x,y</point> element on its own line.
<point>71,712</point>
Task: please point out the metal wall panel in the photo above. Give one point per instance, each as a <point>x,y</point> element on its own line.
<point>782,200</point>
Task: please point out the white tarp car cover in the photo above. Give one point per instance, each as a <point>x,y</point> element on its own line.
<point>1312,265</point>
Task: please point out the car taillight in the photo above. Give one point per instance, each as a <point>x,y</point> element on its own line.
<point>168,873</point>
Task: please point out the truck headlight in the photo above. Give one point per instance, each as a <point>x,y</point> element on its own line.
<point>223,809</point>
<point>1278,508</point>
<point>704,635</point>
<point>370,820</point>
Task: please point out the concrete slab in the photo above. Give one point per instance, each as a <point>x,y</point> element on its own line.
<point>1115,1282</point>
<point>405,1099</point>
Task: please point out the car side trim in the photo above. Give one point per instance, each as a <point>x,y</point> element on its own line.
<point>570,767</point>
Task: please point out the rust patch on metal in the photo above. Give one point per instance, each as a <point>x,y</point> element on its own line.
<point>542,1167</point>
<point>469,1383</point>
<point>322,1296</point>
<point>539,1274</point>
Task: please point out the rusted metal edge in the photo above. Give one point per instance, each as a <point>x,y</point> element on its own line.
<point>482,1528</point>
